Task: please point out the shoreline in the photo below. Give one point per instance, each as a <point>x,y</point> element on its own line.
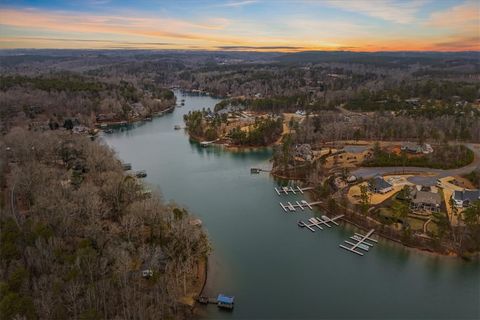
<point>230,147</point>
<point>110,124</point>
<point>423,249</point>
<point>203,266</point>
<point>424,244</point>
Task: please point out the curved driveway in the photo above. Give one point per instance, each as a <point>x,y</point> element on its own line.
<point>434,174</point>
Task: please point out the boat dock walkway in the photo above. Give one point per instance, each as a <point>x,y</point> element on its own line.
<point>222,301</point>
<point>359,242</point>
<point>258,170</point>
<point>319,222</point>
<point>294,190</point>
<point>207,300</point>
<point>302,205</point>
<point>206,143</point>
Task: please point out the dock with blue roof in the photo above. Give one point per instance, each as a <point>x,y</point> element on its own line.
<point>222,301</point>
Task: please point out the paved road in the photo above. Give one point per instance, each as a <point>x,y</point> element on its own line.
<point>369,172</point>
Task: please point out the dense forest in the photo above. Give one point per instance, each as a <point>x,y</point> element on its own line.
<point>276,104</point>
<point>426,93</point>
<point>37,100</point>
<point>331,125</point>
<point>325,77</point>
<point>443,157</point>
<point>209,126</point>
<point>262,132</point>
<point>77,234</point>
<point>204,124</point>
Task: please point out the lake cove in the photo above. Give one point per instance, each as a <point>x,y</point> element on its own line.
<point>274,269</point>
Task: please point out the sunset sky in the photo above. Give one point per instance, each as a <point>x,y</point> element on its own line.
<point>268,25</point>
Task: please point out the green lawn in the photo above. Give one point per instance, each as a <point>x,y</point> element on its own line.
<point>432,228</point>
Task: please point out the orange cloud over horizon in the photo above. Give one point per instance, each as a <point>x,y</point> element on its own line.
<point>455,29</point>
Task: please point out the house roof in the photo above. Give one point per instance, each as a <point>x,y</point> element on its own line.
<point>467,195</point>
<point>412,146</point>
<point>379,183</point>
<point>427,197</point>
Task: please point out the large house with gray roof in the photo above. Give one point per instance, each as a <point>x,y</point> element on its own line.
<point>379,185</point>
<point>465,198</point>
<point>425,201</point>
<point>417,148</point>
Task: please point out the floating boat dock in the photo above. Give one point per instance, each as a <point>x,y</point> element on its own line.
<point>360,242</point>
<point>222,301</point>
<point>319,222</point>
<point>163,112</point>
<point>140,174</point>
<point>294,190</point>
<point>206,143</point>
<point>302,205</point>
<point>258,170</point>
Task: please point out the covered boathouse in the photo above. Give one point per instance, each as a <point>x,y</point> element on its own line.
<point>225,301</point>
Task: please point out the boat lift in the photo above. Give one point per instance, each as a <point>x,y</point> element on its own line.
<point>302,205</point>
<point>294,190</point>
<point>319,222</point>
<point>205,144</point>
<point>360,242</point>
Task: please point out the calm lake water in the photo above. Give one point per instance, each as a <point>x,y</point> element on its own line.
<point>275,269</point>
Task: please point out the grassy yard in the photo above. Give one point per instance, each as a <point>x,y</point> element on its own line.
<point>415,224</point>
<point>432,228</point>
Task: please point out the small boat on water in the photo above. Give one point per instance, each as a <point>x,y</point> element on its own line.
<point>363,246</point>
<point>177,127</point>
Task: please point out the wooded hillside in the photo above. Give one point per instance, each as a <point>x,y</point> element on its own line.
<point>77,234</point>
